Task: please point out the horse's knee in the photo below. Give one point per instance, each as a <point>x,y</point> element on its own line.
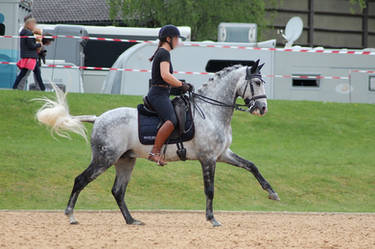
<point>209,191</point>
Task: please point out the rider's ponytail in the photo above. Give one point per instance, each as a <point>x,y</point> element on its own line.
<point>160,44</point>
<point>161,41</point>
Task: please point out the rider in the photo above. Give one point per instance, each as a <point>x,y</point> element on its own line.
<point>162,80</point>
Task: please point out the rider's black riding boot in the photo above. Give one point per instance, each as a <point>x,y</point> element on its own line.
<point>164,132</point>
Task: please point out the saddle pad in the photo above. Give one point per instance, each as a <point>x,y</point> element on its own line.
<point>148,125</point>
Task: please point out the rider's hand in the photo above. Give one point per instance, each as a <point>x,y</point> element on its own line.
<point>187,87</point>
<point>191,87</point>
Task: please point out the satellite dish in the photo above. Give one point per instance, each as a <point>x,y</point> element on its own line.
<point>293,30</point>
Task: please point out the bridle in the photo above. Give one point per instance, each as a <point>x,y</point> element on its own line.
<point>249,102</point>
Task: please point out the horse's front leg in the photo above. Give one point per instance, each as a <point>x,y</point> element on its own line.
<point>208,170</point>
<point>235,160</point>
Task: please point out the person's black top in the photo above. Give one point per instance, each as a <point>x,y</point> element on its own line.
<point>28,45</point>
<point>160,56</point>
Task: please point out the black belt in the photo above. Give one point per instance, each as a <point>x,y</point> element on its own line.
<point>161,85</point>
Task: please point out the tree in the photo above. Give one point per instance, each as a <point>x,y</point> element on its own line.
<point>203,16</point>
<point>362,3</point>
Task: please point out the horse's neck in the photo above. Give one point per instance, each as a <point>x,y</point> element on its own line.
<point>223,90</point>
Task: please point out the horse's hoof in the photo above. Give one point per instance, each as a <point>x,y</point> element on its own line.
<point>215,223</point>
<point>74,222</point>
<point>274,196</point>
<point>137,222</point>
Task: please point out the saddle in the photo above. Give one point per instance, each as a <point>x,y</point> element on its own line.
<point>149,124</point>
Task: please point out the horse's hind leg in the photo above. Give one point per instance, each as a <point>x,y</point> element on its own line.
<point>88,175</point>
<point>124,168</point>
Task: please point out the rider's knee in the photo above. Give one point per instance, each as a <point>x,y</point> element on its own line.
<point>173,120</point>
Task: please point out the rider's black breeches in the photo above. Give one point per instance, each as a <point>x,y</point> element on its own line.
<point>160,102</point>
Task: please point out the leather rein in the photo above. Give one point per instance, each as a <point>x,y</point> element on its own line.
<point>249,102</point>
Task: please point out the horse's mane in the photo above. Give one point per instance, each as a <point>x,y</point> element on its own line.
<point>219,75</point>
<point>225,71</point>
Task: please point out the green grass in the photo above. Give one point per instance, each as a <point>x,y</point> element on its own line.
<point>317,156</point>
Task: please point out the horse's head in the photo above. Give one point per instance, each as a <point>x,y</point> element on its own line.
<point>252,90</point>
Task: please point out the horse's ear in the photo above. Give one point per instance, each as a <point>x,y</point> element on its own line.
<point>254,67</point>
<point>248,73</point>
<point>260,67</point>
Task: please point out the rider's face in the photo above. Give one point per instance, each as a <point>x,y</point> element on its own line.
<point>175,41</point>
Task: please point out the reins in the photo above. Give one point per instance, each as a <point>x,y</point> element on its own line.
<point>217,102</point>
<point>249,102</point>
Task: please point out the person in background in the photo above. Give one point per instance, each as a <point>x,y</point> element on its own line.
<point>42,53</point>
<point>29,56</point>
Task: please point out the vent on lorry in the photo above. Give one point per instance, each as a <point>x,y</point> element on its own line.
<point>214,66</point>
<point>237,32</point>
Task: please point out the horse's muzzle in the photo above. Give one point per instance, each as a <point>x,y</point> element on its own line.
<point>258,108</point>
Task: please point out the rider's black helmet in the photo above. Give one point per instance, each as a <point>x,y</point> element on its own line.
<point>169,31</point>
<point>165,32</point>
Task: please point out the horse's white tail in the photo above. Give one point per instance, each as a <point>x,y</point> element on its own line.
<point>55,114</point>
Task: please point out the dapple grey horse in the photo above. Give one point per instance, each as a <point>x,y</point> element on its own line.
<point>114,138</point>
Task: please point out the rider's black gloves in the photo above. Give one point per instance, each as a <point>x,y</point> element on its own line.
<point>191,87</point>
<point>186,87</point>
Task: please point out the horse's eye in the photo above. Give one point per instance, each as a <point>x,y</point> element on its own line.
<point>257,82</point>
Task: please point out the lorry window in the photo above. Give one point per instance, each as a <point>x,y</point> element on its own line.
<point>371,86</point>
<point>298,82</point>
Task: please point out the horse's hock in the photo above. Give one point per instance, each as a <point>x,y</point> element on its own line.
<point>163,229</point>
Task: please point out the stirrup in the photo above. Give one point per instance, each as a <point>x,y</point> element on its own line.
<point>159,162</point>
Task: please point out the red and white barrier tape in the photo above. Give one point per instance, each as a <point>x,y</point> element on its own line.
<point>77,37</point>
<point>210,45</point>
<point>299,50</point>
<point>182,72</point>
<point>363,71</point>
<point>308,77</point>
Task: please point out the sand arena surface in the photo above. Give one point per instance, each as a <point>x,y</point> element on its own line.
<point>23,229</point>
